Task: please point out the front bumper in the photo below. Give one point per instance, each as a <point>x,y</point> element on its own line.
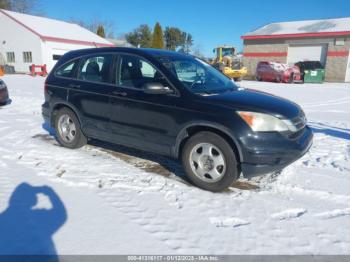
<point>4,97</point>
<point>5,102</point>
<point>277,153</point>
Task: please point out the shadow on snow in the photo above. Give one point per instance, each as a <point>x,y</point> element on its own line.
<point>27,230</point>
<point>330,130</point>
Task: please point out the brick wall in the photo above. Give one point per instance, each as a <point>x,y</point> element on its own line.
<point>259,47</point>
<point>337,63</point>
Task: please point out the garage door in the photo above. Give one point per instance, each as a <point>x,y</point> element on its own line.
<point>298,53</point>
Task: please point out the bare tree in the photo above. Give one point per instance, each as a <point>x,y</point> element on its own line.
<point>5,4</point>
<point>93,24</point>
<point>198,51</point>
<point>21,6</point>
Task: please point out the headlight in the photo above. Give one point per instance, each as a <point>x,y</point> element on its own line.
<point>260,122</point>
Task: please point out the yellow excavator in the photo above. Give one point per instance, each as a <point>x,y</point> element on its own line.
<point>229,63</point>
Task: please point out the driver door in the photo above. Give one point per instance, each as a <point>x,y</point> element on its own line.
<point>138,119</point>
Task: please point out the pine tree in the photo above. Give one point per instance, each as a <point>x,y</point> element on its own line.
<point>101,31</point>
<point>157,40</point>
<point>140,37</point>
<point>174,38</point>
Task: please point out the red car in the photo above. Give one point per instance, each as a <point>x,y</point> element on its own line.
<point>277,72</point>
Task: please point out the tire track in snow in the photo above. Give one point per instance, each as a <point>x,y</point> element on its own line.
<point>327,103</point>
<point>159,224</point>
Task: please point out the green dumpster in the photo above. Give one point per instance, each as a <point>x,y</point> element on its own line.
<point>311,71</point>
<point>314,76</point>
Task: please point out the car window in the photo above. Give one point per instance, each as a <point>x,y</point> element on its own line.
<point>96,68</point>
<point>66,70</point>
<point>196,75</point>
<point>187,71</point>
<point>134,72</point>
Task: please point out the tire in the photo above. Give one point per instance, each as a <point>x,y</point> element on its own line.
<point>237,79</point>
<point>66,135</point>
<point>291,79</point>
<point>258,78</point>
<point>199,168</point>
<point>278,79</point>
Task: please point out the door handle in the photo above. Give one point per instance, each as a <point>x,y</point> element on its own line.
<point>74,86</point>
<point>117,93</point>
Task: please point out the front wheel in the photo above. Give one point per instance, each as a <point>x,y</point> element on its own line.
<point>278,79</point>
<point>209,161</point>
<point>68,132</point>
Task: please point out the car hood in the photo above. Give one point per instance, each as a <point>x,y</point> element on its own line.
<point>257,101</point>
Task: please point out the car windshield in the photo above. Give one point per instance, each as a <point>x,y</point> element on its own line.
<point>227,52</point>
<point>198,76</point>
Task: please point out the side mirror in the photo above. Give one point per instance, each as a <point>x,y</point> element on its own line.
<point>156,88</point>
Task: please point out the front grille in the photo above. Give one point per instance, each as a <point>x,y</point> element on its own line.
<point>299,122</point>
<point>296,134</point>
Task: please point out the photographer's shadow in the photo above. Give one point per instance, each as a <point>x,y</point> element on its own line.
<point>25,230</point>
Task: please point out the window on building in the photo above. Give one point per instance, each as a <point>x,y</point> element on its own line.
<point>10,57</point>
<point>27,57</point>
<point>96,69</point>
<point>56,57</point>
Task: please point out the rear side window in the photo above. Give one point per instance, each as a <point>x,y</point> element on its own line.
<point>134,72</point>
<point>96,69</point>
<point>66,70</point>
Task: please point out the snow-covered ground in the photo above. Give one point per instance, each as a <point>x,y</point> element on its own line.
<point>103,200</point>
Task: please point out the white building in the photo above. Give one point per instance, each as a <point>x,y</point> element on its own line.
<point>27,39</point>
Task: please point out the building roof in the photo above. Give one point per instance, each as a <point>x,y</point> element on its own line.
<point>299,29</point>
<point>57,31</point>
<point>120,42</point>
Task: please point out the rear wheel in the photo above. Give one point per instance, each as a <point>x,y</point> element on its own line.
<point>291,79</point>
<point>258,78</point>
<point>209,161</point>
<point>237,79</point>
<point>68,130</point>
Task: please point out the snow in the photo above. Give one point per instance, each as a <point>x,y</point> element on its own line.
<point>121,201</point>
<point>308,26</point>
<point>55,28</point>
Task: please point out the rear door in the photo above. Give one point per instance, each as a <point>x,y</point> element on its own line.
<point>138,119</point>
<point>90,94</point>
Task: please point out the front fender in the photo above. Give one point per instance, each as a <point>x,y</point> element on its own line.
<point>183,134</point>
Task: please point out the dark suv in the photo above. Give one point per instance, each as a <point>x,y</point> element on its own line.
<point>176,105</point>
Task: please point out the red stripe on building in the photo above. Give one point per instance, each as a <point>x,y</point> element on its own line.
<point>71,41</point>
<point>338,53</point>
<point>301,35</point>
<point>265,54</point>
